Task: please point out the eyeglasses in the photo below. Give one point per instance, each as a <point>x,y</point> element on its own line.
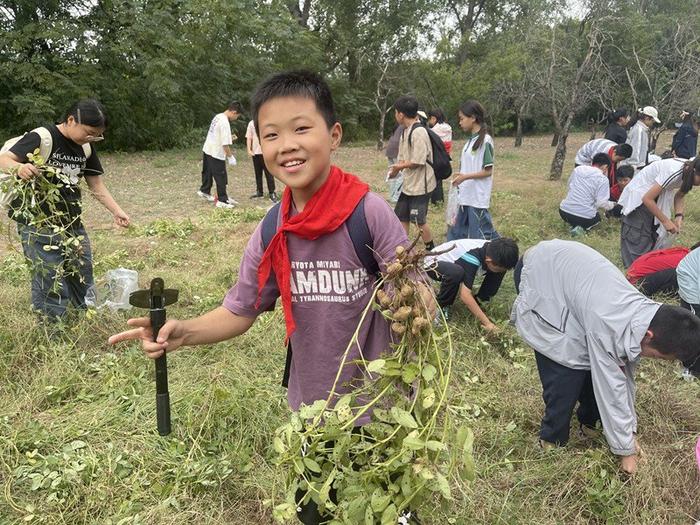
<point>93,138</point>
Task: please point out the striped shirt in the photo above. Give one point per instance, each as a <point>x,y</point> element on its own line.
<point>585,154</point>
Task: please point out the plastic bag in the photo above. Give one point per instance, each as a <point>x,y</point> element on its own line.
<point>113,290</point>
<point>452,207</point>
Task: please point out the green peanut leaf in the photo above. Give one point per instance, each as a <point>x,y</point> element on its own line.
<point>376,366</point>
<point>429,372</point>
<point>403,418</point>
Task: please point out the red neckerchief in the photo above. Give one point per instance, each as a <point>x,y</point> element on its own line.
<point>614,186</point>
<point>325,212</point>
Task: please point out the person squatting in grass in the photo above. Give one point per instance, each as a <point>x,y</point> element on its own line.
<point>475,177</point>
<point>647,202</point>
<point>61,277</point>
<point>688,272</point>
<point>589,328</point>
<point>215,153</point>
<point>457,268</point>
<point>616,152</point>
<point>655,272</point>
<point>588,191</point>
<point>415,163</point>
<point>295,118</point>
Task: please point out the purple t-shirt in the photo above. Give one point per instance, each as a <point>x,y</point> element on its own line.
<point>330,290</point>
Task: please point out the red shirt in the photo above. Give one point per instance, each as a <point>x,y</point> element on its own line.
<point>656,261</point>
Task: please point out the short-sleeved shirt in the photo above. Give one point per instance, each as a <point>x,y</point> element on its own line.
<point>588,191</point>
<point>667,173</point>
<point>688,272</point>
<point>585,154</point>
<point>71,159</point>
<point>419,180</point>
<point>656,261</point>
<point>251,134</point>
<point>330,290</point>
<point>470,254</point>
<point>476,192</point>
<point>218,136</point>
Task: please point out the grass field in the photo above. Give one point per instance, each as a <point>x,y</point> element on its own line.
<point>77,437</point>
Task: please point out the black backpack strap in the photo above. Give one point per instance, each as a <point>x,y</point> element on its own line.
<point>361,238</point>
<point>269,225</point>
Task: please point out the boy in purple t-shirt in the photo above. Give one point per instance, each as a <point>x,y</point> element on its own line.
<point>328,286</point>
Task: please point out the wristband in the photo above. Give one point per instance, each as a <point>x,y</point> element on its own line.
<point>679,215</point>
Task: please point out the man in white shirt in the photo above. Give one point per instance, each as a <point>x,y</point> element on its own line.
<point>215,153</point>
<point>588,191</point>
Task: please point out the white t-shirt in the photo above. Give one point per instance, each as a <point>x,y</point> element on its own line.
<point>443,130</point>
<point>585,154</point>
<point>476,192</point>
<point>456,248</point>
<point>689,277</point>
<point>219,135</point>
<point>588,191</point>
<point>250,133</point>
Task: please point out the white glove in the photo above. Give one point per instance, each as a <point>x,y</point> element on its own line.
<point>231,160</point>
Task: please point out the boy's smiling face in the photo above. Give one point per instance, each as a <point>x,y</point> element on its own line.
<point>297,143</point>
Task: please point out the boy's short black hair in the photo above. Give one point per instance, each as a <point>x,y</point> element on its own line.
<point>624,172</point>
<point>407,105</point>
<point>623,150</point>
<point>297,83</point>
<point>503,252</point>
<point>234,105</point>
<point>601,159</point>
<point>676,333</point>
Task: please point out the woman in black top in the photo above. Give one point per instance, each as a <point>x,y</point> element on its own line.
<point>617,122</point>
<point>49,223</point>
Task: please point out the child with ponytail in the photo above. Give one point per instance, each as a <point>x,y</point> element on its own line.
<point>475,177</point>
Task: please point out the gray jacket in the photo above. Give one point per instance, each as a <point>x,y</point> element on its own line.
<point>576,308</point>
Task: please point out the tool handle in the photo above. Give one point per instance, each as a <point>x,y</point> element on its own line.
<point>163,413</point>
<point>157,321</point>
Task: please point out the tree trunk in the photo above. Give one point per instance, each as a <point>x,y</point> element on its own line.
<point>560,153</point>
<point>518,130</point>
<point>555,139</point>
<point>591,128</point>
<point>382,122</point>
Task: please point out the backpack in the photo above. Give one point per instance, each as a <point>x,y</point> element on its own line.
<point>361,239</point>
<point>45,147</point>
<point>441,159</point>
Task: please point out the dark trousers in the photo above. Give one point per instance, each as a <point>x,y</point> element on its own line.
<point>664,281</point>
<point>59,279</point>
<point>450,276</point>
<point>438,194</point>
<point>214,170</point>
<point>562,387</point>
<point>637,235</point>
<point>259,167</point>
<point>575,220</point>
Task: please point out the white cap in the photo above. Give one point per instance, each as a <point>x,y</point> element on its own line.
<point>422,114</point>
<point>650,111</point>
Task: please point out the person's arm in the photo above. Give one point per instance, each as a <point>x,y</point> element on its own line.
<point>418,152</point>
<point>104,197</point>
<point>603,197</point>
<point>611,388</point>
<point>215,326</point>
<point>249,144</point>
<point>465,294</point>
<point>228,151</point>
<point>678,207</point>
<point>461,177</point>
<point>10,160</point>
<point>649,200</point>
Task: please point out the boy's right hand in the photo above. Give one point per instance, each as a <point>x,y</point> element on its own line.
<point>28,171</point>
<point>629,463</point>
<point>170,337</point>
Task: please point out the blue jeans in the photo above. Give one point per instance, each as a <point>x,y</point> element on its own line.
<point>472,223</point>
<point>59,277</point>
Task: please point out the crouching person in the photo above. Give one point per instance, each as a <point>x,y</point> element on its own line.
<point>589,328</point>
<point>459,265</point>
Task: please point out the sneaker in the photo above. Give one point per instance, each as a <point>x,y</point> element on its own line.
<point>256,195</point>
<point>228,204</point>
<point>205,196</point>
<point>577,231</point>
<point>273,197</point>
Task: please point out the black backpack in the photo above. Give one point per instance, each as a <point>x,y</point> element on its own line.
<point>441,163</point>
<point>360,236</point>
